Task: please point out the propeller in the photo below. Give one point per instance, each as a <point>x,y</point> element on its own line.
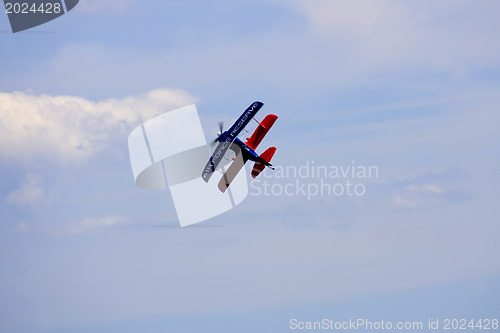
<point>221,130</point>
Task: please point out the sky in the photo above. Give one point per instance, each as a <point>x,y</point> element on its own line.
<point>409,87</point>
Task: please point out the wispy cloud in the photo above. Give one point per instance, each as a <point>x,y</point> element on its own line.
<point>30,191</point>
<point>22,227</point>
<point>430,190</point>
<point>95,224</point>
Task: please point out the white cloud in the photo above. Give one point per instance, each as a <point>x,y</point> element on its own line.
<point>95,224</point>
<point>30,191</point>
<point>70,127</point>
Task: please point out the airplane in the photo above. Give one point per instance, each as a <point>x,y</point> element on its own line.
<point>244,151</point>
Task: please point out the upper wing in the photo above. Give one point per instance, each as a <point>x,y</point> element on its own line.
<point>232,133</point>
<point>261,131</point>
<point>244,119</point>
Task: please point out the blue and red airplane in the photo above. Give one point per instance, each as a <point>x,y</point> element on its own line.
<point>244,150</point>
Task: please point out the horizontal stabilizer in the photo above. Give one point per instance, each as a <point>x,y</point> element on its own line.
<point>267,156</point>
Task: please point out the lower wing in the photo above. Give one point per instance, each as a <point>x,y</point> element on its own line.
<point>232,172</point>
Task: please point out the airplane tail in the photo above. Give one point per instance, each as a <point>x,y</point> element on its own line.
<point>266,157</point>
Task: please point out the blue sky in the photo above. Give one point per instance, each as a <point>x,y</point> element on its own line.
<point>409,86</point>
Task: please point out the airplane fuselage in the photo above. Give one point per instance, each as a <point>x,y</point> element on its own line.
<point>248,153</point>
